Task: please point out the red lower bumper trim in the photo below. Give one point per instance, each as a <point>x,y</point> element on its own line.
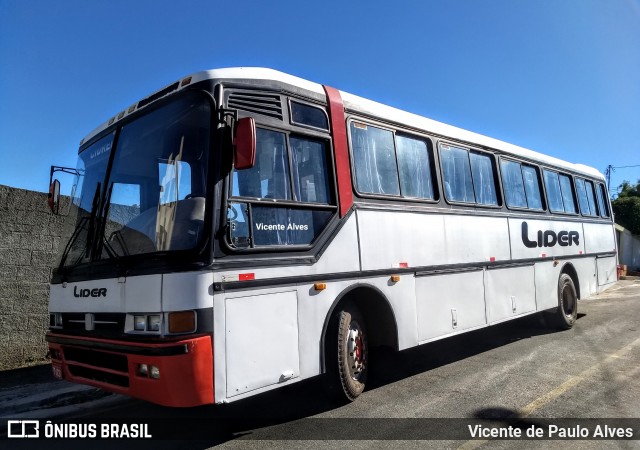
<point>185,376</point>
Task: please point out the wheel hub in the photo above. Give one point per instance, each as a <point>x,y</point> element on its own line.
<point>567,301</point>
<point>356,351</point>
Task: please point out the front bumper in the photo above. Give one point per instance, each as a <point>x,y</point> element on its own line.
<point>185,365</point>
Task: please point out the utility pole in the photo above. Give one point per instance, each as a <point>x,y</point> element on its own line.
<point>607,174</point>
<point>610,168</point>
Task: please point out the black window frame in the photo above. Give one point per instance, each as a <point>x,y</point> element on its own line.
<point>291,101</point>
<point>281,203</point>
<point>541,187</point>
<point>573,192</point>
<point>405,134</point>
<point>601,187</point>
<point>432,167</point>
<point>579,181</point>
<point>494,167</point>
<point>593,215</point>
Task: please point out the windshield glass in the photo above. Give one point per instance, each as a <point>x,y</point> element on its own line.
<point>155,195</point>
<point>85,195</point>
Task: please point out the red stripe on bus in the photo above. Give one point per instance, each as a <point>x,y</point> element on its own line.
<point>339,132</point>
<point>246,276</point>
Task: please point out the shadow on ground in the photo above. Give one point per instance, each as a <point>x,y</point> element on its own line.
<point>273,414</point>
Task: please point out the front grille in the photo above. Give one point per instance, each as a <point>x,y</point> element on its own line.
<point>105,367</point>
<point>98,375</point>
<point>73,321</point>
<point>96,358</point>
<point>104,324</point>
<point>266,104</point>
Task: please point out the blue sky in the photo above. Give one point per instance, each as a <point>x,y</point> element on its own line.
<point>560,77</point>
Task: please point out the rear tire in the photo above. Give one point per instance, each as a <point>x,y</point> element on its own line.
<point>347,354</point>
<point>565,315</point>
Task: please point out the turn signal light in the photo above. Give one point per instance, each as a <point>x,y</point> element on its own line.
<point>182,322</point>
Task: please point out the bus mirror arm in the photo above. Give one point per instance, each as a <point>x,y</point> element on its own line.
<point>54,187</point>
<point>244,143</point>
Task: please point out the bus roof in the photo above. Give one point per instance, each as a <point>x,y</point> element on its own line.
<point>359,104</point>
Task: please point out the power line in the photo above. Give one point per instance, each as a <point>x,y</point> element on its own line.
<point>611,168</point>
<point>625,167</point>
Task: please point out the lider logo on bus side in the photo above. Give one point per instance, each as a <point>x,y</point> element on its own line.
<point>97,292</point>
<point>549,238</point>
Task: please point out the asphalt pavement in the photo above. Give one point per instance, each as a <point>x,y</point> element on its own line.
<point>515,373</point>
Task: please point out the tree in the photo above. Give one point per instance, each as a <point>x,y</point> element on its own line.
<point>628,190</point>
<point>626,207</point>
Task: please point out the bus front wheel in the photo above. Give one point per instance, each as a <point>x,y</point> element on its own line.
<point>347,354</point>
<point>565,315</point>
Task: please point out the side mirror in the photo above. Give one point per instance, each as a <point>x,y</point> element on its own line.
<point>54,196</point>
<point>244,143</point>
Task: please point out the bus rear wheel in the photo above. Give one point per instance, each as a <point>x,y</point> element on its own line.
<point>347,354</point>
<point>565,315</point>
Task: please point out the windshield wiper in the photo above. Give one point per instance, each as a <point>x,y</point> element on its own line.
<point>72,239</point>
<point>79,227</point>
<point>104,241</point>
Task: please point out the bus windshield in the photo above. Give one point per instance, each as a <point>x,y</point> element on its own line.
<point>154,197</point>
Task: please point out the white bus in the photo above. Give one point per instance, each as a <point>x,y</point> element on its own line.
<point>243,229</point>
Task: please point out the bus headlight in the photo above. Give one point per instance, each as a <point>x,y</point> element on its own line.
<point>139,323</point>
<point>55,320</point>
<point>153,322</point>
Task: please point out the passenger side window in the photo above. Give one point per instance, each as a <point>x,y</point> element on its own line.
<point>559,192</point>
<point>309,158</point>
<point>483,181</point>
<point>591,197</point>
<point>389,164</point>
<point>468,176</point>
<point>513,184</point>
<point>567,194</point>
<point>456,172</point>
<point>262,210</point>
<point>374,160</point>
<point>414,162</point>
<point>585,208</point>
<point>532,187</point>
<point>602,200</point>
<point>586,197</point>
<point>554,197</point>
<point>269,177</point>
<point>311,116</point>
<point>521,185</point>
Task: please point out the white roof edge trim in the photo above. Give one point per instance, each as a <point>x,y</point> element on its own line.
<point>432,126</point>
<point>246,73</point>
<point>376,109</point>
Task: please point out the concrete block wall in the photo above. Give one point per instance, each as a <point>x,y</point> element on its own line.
<point>29,240</point>
<point>628,249</point>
